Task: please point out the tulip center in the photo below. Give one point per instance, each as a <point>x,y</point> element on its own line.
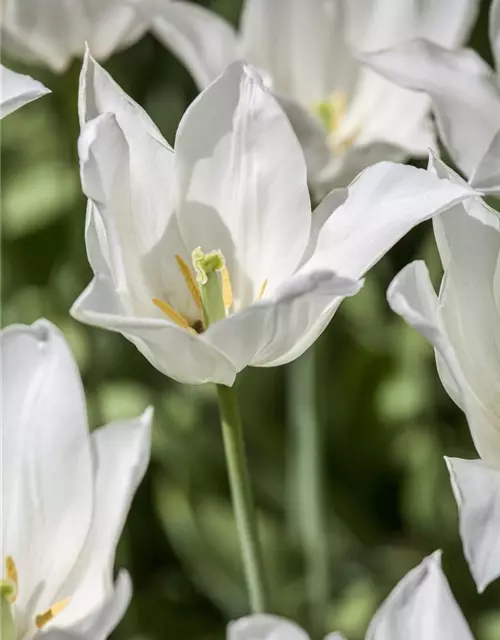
<point>9,588</point>
<point>210,287</point>
<point>332,114</point>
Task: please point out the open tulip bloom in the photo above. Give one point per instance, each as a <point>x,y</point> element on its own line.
<point>464,324</point>
<point>346,116</point>
<point>421,607</point>
<point>465,94</point>
<point>65,494</point>
<point>208,257</point>
<point>17,90</point>
<point>53,32</point>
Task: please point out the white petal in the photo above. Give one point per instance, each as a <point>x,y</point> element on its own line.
<point>312,137</point>
<point>55,32</point>
<point>46,461</point>
<point>411,295</point>
<point>102,621</point>
<point>383,204</point>
<point>342,170</point>
<point>494,31</point>
<point>477,490</point>
<point>465,98</point>
<point>264,333</point>
<point>486,176</point>
<point>241,182</point>
<point>264,627</point>
<point>127,171</point>
<point>312,59</point>
<point>421,607</point>
<point>203,41</point>
<point>382,112</point>
<point>379,24</point>
<point>17,90</point>
<point>120,454</point>
<point>108,26</point>
<point>176,352</point>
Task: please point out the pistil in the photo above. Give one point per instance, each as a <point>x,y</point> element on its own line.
<point>209,269</point>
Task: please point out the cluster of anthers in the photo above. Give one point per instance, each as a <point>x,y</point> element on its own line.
<point>210,289</point>
<point>9,589</point>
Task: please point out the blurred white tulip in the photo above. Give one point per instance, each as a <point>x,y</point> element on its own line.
<point>346,116</point>
<point>65,494</point>
<point>53,32</point>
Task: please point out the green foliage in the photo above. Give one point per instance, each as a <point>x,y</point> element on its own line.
<point>386,419</point>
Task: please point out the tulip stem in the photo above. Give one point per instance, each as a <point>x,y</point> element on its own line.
<point>306,485</point>
<point>242,497</point>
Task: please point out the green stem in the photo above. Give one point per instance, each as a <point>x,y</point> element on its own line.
<point>241,493</point>
<point>7,625</point>
<point>306,490</point>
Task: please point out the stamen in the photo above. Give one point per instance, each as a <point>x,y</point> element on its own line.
<point>171,313</point>
<point>190,281</point>
<point>262,289</point>
<point>43,618</point>
<point>11,571</point>
<point>227,290</point>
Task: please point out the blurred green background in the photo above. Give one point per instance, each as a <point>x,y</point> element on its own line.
<point>385,418</point>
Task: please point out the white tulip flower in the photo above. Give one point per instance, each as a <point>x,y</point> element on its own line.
<point>226,216</point>
<point>421,607</point>
<point>464,326</point>
<point>465,94</point>
<point>65,494</point>
<point>53,32</point>
<point>346,116</point>
<point>17,90</point>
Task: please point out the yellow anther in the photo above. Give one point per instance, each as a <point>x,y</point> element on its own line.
<point>11,572</point>
<point>262,289</point>
<point>43,618</point>
<point>190,281</point>
<point>227,290</point>
<point>171,313</point>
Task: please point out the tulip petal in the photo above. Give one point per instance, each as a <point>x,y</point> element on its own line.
<point>494,31</point>
<point>411,296</point>
<point>241,182</point>
<point>176,352</point>
<point>383,204</point>
<point>264,627</point>
<point>312,59</point>
<point>464,94</point>
<point>120,450</point>
<point>486,176</point>
<point>421,606</point>
<point>127,172</point>
<point>54,32</point>
<point>266,331</point>
<point>46,460</point>
<point>201,39</point>
<point>476,486</point>
<point>17,90</point>
<point>379,24</point>
<point>99,624</point>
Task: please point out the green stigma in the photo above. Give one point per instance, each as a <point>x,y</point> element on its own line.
<point>206,263</point>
